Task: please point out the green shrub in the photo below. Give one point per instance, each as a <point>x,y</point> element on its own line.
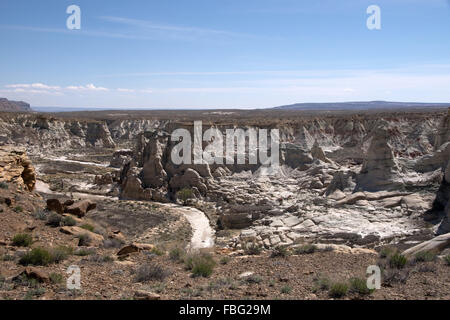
<point>56,278</point>
<point>61,253</point>
<point>37,257</point>
<point>84,240</point>
<point>397,261</point>
<point>54,220</point>
<point>359,286</point>
<point>83,252</point>
<point>68,221</point>
<point>22,240</point>
<point>201,264</point>
<point>113,243</point>
<point>306,249</point>
<point>176,254</point>
<point>254,278</point>
<point>18,209</point>
<point>88,227</point>
<point>425,256</point>
<point>34,293</point>
<point>338,290</point>
<point>321,284</point>
<point>386,252</point>
<point>252,249</point>
<point>224,260</point>
<point>447,259</point>
<point>150,271</point>
<point>279,251</point>
<point>157,251</point>
<point>41,215</point>
<point>185,194</point>
<point>3,185</point>
<point>286,290</point>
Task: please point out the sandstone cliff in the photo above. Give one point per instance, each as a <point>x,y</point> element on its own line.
<point>16,106</point>
<point>16,168</point>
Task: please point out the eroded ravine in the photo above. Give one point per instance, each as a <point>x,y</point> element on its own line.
<point>202,232</point>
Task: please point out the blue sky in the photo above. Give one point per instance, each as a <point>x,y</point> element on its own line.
<point>223,54</point>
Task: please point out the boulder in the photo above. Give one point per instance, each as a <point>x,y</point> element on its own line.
<point>135,248</point>
<point>33,273</point>
<point>80,208</point>
<point>95,238</point>
<point>146,295</point>
<point>55,205</point>
<point>435,245</point>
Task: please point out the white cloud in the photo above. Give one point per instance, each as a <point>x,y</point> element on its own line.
<point>126,90</point>
<point>88,87</point>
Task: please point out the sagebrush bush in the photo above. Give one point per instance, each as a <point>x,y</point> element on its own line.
<point>158,251</point>
<point>306,249</point>
<point>176,254</point>
<point>338,290</point>
<point>18,209</point>
<point>224,260</point>
<point>68,221</point>
<point>41,215</point>
<point>3,185</point>
<point>22,240</point>
<point>279,251</point>
<point>185,194</point>
<point>286,289</point>
<point>113,243</point>
<point>386,252</point>
<point>358,285</point>
<point>61,253</point>
<point>425,256</point>
<point>82,252</point>
<point>88,227</point>
<point>252,249</point>
<point>56,278</point>
<point>150,272</point>
<point>37,257</point>
<point>54,220</point>
<point>84,240</point>
<point>321,284</point>
<point>200,264</point>
<point>447,259</point>
<point>397,261</point>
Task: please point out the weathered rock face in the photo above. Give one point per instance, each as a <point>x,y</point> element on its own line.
<point>443,134</point>
<point>435,160</point>
<point>8,105</point>
<point>42,132</point>
<point>317,153</point>
<point>442,203</point>
<point>379,167</point>
<point>15,167</point>
<point>120,158</point>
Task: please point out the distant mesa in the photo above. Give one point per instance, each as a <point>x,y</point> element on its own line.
<point>361,105</point>
<point>7,105</point>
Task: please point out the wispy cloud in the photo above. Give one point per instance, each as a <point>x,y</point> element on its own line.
<point>173,31</point>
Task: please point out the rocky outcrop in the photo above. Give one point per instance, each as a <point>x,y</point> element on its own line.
<point>435,245</point>
<point>16,106</point>
<point>79,208</point>
<point>443,134</point>
<point>16,168</point>
<point>120,158</point>
<point>441,204</point>
<point>379,170</point>
<point>435,160</point>
<point>317,153</point>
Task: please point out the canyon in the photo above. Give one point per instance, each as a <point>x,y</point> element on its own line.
<point>354,181</point>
